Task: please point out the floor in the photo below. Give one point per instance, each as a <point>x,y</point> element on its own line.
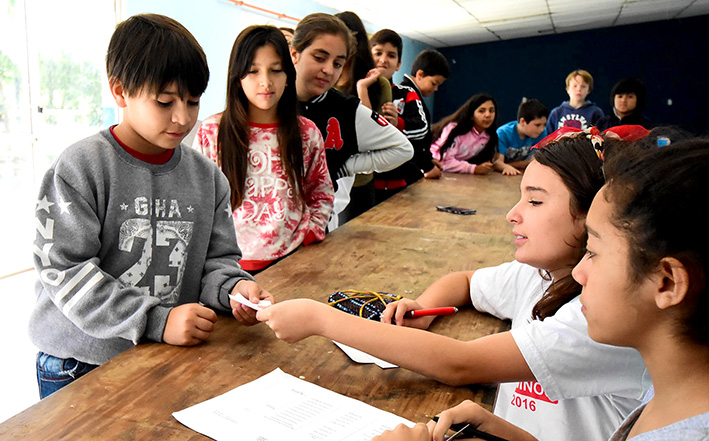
<point>18,383</point>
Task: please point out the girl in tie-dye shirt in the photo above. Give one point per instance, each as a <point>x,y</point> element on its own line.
<point>274,160</point>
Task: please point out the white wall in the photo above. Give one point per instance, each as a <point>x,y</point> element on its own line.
<point>216,23</point>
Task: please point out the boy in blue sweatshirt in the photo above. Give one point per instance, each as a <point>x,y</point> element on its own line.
<point>577,112</point>
<point>515,139</point>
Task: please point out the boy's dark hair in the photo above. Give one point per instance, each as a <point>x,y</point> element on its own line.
<point>432,63</point>
<point>630,85</point>
<point>531,110</point>
<point>149,51</point>
<point>388,36</point>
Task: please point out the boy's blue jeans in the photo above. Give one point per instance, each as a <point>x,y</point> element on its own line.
<point>54,373</point>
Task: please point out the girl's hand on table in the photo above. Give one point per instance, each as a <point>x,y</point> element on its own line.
<point>479,418</point>
<point>404,433</point>
<point>395,313</point>
<point>483,169</point>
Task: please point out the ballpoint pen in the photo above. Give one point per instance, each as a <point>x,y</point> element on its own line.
<point>466,431</point>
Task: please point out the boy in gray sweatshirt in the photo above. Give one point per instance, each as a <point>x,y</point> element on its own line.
<point>135,238</point>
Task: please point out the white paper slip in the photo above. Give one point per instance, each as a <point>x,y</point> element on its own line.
<point>279,407</point>
<point>363,357</point>
<point>244,301</point>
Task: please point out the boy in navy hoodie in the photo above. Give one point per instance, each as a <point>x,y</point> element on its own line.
<point>577,112</point>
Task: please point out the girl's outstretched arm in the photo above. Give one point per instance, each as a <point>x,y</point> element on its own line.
<point>490,359</point>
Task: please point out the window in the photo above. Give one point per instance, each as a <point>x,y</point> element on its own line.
<point>53,92</point>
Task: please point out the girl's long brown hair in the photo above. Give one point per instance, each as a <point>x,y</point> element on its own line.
<point>361,62</point>
<point>233,135</point>
<point>575,161</point>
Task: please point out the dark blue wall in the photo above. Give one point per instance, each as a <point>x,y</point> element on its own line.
<point>669,56</point>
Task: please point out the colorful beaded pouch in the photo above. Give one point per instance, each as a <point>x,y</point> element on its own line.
<point>366,304</point>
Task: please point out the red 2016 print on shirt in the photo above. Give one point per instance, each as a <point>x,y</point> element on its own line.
<point>529,391</point>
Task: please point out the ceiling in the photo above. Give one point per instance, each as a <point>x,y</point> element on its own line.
<point>442,23</point>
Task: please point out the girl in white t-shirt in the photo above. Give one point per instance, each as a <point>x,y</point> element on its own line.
<point>281,191</point>
<point>548,343</point>
<point>644,286</point>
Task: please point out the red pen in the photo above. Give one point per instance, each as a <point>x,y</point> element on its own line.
<point>449,310</point>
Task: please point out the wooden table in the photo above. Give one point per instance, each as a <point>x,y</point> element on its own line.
<point>400,246</point>
<point>492,196</point>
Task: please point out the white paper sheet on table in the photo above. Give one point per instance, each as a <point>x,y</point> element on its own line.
<point>363,357</point>
<point>279,407</point>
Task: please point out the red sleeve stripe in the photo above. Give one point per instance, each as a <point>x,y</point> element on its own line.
<point>412,96</point>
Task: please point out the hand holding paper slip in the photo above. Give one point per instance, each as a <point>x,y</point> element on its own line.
<point>244,301</point>
<point>279,407</point>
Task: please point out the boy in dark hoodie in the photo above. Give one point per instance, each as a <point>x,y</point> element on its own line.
<point>577,112</point>
<point>627,101</point>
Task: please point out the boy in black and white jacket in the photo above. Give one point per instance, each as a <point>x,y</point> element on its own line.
<point>407,111</point>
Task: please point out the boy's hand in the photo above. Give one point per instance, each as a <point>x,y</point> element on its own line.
<point>395,313</point>
<point>294,320</point>
<point>483,169</point>
<point>390,113</point>
<point>508,170</point>
<point>188,325</point>
<point>254,293</point>
<point>404,433</point>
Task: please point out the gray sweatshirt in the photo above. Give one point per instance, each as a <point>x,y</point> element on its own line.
<point>120,242</point>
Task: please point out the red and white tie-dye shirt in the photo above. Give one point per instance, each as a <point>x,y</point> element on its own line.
<point>270,223</point>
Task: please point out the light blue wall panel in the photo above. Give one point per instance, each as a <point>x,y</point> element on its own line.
<point>216,23</point>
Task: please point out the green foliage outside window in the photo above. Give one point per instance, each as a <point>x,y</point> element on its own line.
<point>9,75</point>
<point>69,85</point>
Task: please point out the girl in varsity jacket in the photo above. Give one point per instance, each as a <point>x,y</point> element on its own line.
<point>357,139</point>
